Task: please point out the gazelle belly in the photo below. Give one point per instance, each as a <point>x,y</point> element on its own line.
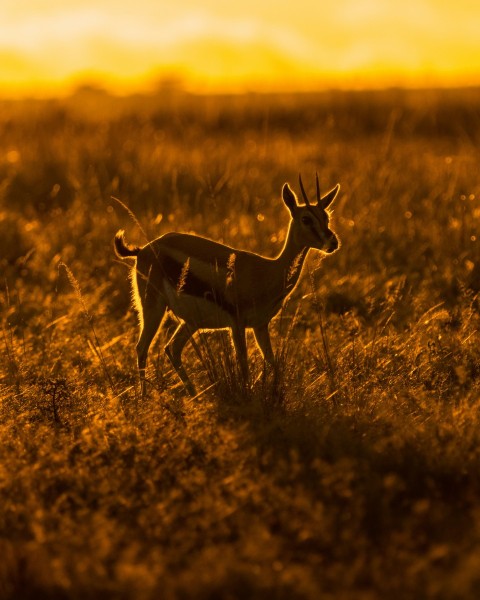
<point>202,312</point>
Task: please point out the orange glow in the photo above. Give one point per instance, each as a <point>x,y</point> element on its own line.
<point>223,46</point>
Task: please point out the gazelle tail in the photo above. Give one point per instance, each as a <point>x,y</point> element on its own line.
<point>123,250</point>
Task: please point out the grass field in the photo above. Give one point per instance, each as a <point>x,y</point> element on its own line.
<point>353,470</point>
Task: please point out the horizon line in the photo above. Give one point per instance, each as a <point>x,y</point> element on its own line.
<point>176,84</point>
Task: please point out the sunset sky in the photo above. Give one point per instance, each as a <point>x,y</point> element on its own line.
<point>48,46</point>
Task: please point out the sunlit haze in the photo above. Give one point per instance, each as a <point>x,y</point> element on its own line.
<point>49,46</point>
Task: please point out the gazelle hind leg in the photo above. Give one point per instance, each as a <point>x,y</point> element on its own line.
<point>152,313</point>
<point>174,349</point>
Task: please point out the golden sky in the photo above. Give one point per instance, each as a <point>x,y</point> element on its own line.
<point>46,46</point>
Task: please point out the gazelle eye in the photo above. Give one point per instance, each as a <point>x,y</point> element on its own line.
<point>307,220</point>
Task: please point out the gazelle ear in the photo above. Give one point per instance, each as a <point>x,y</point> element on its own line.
<point>289,198</point>
<point>330,196</point>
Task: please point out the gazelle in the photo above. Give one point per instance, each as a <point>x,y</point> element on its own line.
<point>208,285</point>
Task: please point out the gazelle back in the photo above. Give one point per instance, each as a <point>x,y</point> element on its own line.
<point>208,285</point>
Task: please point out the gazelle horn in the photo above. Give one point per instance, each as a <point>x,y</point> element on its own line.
<point>307,201</point>
<point>318,189</point>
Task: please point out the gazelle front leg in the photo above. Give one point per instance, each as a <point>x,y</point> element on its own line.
<point>174,352</point>
<point>262,336</point>
<point>240,343</point>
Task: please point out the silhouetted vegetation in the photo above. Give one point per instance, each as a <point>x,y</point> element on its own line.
<point>353,470</point>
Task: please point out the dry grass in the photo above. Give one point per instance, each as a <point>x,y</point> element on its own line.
<point>353,471</point>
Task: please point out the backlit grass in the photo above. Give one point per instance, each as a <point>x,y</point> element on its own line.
<point>352,470</point>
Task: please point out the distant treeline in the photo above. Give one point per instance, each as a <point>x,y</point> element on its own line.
<point>442,112</point>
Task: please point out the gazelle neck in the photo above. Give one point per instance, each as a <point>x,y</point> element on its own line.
<point>291,258</point>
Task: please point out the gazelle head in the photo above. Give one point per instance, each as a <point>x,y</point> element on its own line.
<point>310,221</point>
